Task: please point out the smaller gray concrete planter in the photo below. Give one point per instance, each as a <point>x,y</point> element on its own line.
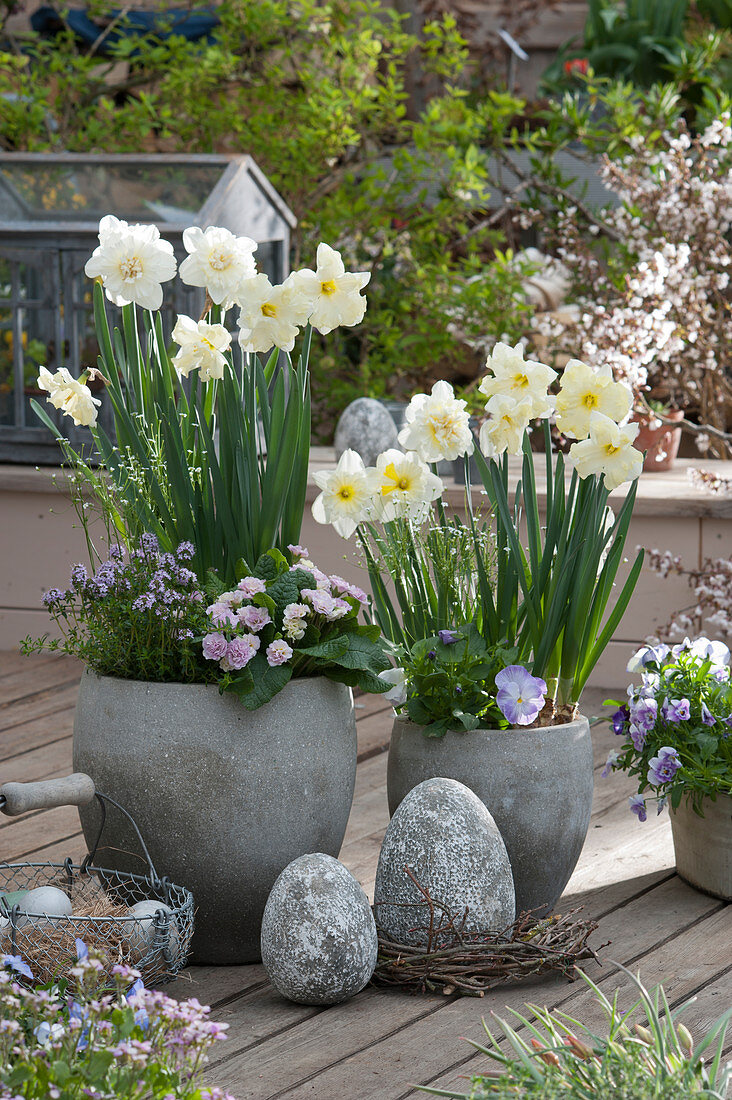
<point>536,783</point>
<point>225,797</point>
<point>703,845</point>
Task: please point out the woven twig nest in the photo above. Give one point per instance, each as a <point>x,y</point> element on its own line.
<point>472,963</point>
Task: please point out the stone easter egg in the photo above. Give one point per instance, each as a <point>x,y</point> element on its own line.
<point>43,902</point>
<point>450,842</point>
<point>319,942</point>
<point>141,932</point>
<point>366,427</point>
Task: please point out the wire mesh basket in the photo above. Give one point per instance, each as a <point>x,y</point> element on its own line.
<point>143,921</point>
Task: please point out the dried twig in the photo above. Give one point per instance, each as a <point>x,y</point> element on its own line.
<point>471,963</point>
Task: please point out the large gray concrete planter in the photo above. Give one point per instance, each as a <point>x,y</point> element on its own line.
<point>703,845</point>
<point>225,797</point>
<point>537,784</point>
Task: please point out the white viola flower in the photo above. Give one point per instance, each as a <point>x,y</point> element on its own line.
<point>519,378</point>
<point>334,294</point>
<point>218,261</point>
<point>404,485</point>
<point>437,426</point>
<point>270,315</point>
<point>347,496</point>
<point>584,391</point>
<point>397,694</point>
<point>608,450</point>
<point>132,261</point>
<point>507,421</point>
<point>70,395</point>
<point>202,347</point>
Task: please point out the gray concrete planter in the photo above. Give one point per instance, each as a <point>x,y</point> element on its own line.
<point>537,784</point>
<point>703,845</point>
<point>225,798</point>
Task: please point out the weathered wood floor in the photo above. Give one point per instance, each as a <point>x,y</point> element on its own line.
<point>382,1043</point>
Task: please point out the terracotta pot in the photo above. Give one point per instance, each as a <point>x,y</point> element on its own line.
<point>660,443</point>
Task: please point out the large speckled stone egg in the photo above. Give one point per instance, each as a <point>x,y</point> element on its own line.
<point>450,842</point>
<point>366,427</point>
<point>319,942</point>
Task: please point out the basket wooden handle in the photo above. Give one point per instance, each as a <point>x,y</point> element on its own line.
<point>72,790</point>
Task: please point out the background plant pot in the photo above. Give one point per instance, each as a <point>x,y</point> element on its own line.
<point>703,845</point>
<point>660,443</point>
<point>536,783</point>
<point>224,797</point>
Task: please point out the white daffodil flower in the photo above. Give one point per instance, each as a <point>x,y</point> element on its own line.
<point>218,260</point>
<point>270,315</point>
<point>201,346</point>
<point>347,496</point>
<point>437,426</point>
<point>132,261</point>
<point>69,395</point>
<point>518,378</point>
<point>584,391</point>
<point>333,293</point>
<point>608,450</point>
<point>405,485</point>
<point>508,420</point>
<point>398,693</point>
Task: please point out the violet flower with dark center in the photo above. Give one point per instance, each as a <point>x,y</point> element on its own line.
<point>676,710</point>
<point>520,695</point>
<point>706,715</point>
<point>618,720</point>
<point>431,656</point>
<point>662,768</point>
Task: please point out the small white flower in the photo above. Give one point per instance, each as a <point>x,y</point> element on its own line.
<point>132,261</point>
<point>398,693</point>
<point>201,347</point>
<point>270,315</point>
<point>347,496</point>
<point>608,450</point>
<point>69,395</point>
<point>585,391</point>
<point>333,293</point>
<point>437,426</point>
<point>508,420</point>
<point>218,261</point>
<point>404,485</point>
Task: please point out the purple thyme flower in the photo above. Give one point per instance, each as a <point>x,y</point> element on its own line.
<point>618,719</point>
<point>183,577</point>
<point>520,695</point>
<point>148,543</point>
<point>145,602</point>
<point>214,647</point>
<point>79,575</point>
<point>186,550</point>
<point>638,806</point>
<point>116,552</point>
<point>448,637</point>
<point>676,710</point>
<point>706,715</point>
<point>610,763</point>
<point>53,597</point>
<point>662,768</point>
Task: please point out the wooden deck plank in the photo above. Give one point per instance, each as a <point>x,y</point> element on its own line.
<point>416,1053</point>
<point>45,705</point>
<point>37,677</point>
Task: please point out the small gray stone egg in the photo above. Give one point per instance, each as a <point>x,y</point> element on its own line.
<point>37,906</point>
<point>445,835</point>
<point>319,942</point>
<point>366,427</point>
<point>141,932</point>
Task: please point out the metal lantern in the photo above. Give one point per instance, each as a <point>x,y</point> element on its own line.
<point>50,207</point>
